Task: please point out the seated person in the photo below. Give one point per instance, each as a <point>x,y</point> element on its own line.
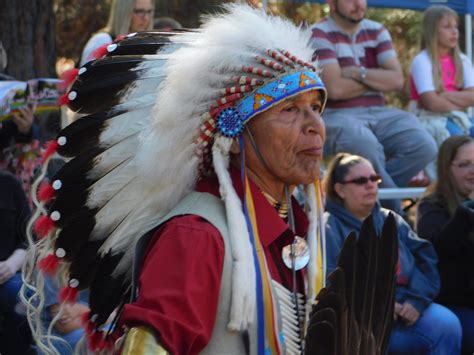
<point>14,213</point>
<point>125,16</point>
<point>19,129</point>
<point>421,326</point>
<point>20,149</point>
<point>69,325</point>
<point>359,65</point>
<point>442,78</point>
<point>446,218</point>
<point>166,24</point>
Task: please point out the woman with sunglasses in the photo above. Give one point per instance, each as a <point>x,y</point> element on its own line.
<point>126,16</point>
<point>446,218</point>
<point>421,326</point>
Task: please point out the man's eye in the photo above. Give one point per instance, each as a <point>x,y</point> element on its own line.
<point>290,109</point>
<point>316,108</point>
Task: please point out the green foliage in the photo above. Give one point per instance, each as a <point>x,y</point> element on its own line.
<point>78,19</point>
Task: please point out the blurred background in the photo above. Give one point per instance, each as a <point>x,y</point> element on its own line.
<point>45,37</point>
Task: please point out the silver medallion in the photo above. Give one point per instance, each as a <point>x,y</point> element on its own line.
<point>296,254</point>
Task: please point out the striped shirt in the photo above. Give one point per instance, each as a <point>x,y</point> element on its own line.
<point>370,47</point>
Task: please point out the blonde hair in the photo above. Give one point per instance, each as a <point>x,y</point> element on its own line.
<point>120,17</point>
<point>431,19</point>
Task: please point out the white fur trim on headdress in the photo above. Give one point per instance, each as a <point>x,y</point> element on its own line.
<point>243,302</point>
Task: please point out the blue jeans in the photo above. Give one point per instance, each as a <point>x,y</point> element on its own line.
<point>455,130</point>
<point>437,332</point>
<point>466,317</point>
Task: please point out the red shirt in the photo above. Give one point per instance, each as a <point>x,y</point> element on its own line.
<point>180,277</point>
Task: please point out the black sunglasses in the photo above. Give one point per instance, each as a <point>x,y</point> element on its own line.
<point>364,180</point>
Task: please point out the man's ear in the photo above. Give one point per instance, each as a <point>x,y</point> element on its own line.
<point>235,147</point>
<point>339,188</point>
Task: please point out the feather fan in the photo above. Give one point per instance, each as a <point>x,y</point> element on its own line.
<point>354,313</point>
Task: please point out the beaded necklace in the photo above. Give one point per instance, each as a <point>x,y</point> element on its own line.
<point>281,208</point>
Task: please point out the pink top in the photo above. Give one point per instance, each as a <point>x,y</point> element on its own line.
<point>421,77</point>
<point>448,72</point>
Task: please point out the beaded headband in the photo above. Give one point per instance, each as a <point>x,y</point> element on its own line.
<point>279,79</point>
<point>231,120</point>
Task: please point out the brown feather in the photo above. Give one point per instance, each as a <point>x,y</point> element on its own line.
<point>360,295</point>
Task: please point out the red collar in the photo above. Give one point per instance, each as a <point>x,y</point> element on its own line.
<point>270,224</point>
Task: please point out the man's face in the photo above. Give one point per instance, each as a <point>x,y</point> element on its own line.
<point>350,10</point>
<point>290,137</point>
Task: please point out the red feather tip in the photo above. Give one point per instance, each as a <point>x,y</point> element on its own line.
<point>68,294</point>
<point>68,77</point>
<point>96,340</point>
<point>99,52</point>
<point>49,265</point>
<point>109,342</point>
<point>46,192</point>
<point>87,324</point>
<point>51,149</point>
<point>119,38</point>
<point>63,100</point>
<point>43,226</point>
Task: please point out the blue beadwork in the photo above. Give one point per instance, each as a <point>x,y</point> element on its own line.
<point>278,90</point>
<point>229,122</point>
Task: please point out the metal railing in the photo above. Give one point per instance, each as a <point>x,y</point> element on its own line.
<point>401,193</point>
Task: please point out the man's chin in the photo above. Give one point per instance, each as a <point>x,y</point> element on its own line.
<point>356,19</point>
<point>309,179</point>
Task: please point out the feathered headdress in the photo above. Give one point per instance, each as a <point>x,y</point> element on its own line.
<point>161,110</point>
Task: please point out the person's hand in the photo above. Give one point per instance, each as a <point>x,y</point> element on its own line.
<point>448,95</point>
<point>408,314</point>
<point>70,311</point>
<point>351,72</point>
<point>6,271</point>
<point>396,311</point>
<point>23,118</point>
